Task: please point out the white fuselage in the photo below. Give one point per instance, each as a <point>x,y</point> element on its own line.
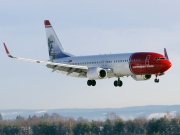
<point>119,63</point>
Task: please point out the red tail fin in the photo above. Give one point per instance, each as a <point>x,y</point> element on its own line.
<point>47,23</point>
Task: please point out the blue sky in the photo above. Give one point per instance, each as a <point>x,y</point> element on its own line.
<point>86,27</point>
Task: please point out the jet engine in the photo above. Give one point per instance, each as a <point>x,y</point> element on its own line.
<point>96,73</point>
<point>141,77</point>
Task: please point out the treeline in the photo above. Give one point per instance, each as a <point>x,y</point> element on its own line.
<point>113,125</point>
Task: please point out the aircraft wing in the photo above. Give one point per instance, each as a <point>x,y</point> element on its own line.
<point>82,70</point>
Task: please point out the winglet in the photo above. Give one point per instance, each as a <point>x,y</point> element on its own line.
<point>165,54</point>
<point>7,51</point>
<point>47,23</point>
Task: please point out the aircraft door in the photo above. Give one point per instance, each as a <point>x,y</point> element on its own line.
<point>147,62</point>
<point>104,63</point>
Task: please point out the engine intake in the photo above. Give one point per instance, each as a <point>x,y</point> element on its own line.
<point>96,73</point>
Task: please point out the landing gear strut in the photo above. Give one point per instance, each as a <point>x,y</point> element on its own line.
<point>156,80</point>
<point>91,82</point>
<point>118,83</point>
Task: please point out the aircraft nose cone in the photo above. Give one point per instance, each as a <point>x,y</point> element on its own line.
<point>168,64</point>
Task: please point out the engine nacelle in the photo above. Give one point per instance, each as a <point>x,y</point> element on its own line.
<point>141,77</point>
<point>96,73</point>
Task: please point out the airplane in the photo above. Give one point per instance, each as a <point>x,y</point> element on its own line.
<point>139,65</point>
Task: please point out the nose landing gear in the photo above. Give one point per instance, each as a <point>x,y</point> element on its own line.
<point>118,83</point>
<point>156,80</point>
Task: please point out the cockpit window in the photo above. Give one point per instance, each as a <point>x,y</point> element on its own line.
<point>160,58</point>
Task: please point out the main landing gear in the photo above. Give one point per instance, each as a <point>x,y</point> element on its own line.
<point>156,80</point>
<point>91,82</point>
<point>118,83</point>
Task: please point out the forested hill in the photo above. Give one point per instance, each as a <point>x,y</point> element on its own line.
<point>151,111</point>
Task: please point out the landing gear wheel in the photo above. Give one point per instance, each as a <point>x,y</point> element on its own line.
<point>118,83</point>
<point>156,80</point>
<point>91,82</point>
